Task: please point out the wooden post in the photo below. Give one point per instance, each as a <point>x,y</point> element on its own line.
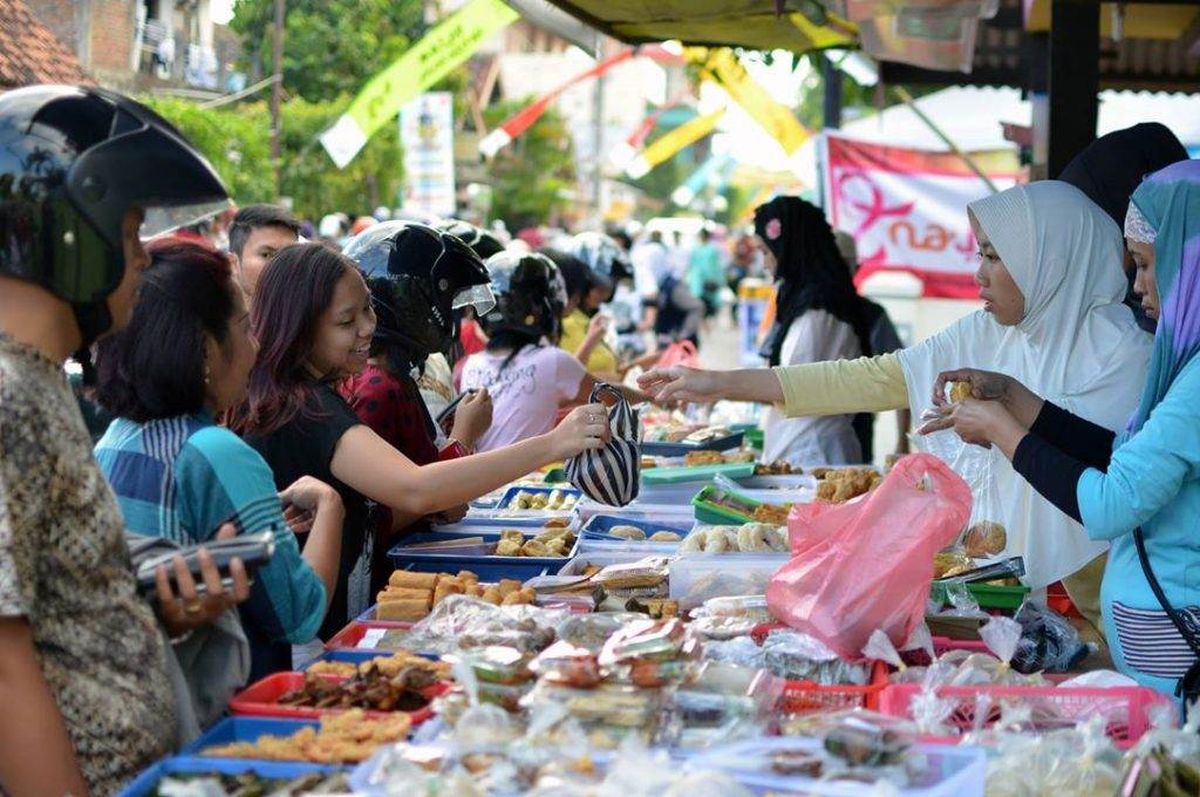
<point>831,83</point>
<point>1074,80</point>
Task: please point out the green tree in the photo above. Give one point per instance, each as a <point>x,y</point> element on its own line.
<point>331,47</point>
<point>236,140</point>
<point>532,175</point>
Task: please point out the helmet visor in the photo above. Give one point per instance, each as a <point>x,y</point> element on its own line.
<point>479,297</point>
<point>163,219</point>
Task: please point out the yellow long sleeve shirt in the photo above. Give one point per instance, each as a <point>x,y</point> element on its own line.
<point>839,387</point>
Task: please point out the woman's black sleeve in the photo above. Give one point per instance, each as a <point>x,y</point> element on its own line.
<point>1051,471</point>
<point>1075,436</point>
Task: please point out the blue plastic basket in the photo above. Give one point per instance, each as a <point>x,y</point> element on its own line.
<point>361,656</point>
<point>598,526</point>
<point>243,729</point>
<point>488,568</point>
<point>679,449</point>
<point>511,493</point>
<point>145,782</point>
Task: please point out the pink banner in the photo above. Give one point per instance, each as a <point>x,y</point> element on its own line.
<point>907,209</point>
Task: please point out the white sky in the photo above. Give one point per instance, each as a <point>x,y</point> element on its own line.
<point>222,11</point>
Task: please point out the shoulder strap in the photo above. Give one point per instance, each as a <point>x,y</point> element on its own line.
<point>1183,626</point>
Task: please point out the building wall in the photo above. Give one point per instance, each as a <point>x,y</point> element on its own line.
<point>113,27</point>
<point>67,20</point>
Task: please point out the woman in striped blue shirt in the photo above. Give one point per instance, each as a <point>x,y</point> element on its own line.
<point>183,360</point>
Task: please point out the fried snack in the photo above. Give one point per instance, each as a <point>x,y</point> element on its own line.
<point>772,514</point>
<point>752,538</point>
<point>402,610</point>
<point>402,593</point>
<point>697,458</point>
<point>468,576</point>
<point>492,595</point>
<point>959,391</point>
<point>840,485</point>
<point>739,457</point>
<point>985,539</point>
<point>512,534</point>
<point>557,523</point>
<point>345,738</point>
<point>776,468</point>
<point>627,532</point>
<point>951,563</point>
<point>508,547</point>
<point>649,462</point>
<point>507,585</point>
<point>665,536</point>
<point>445,589</point>
<point>557,547</point>
<point>388,665</point>
<point>556,533</point>
<point>511,599</point>
<point>411,580</point>
<point>535,548</point>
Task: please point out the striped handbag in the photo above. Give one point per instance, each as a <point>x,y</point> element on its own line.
<point>610,475</point>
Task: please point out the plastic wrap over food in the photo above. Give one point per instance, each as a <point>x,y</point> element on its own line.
<point>460,622</point>
<point>800,657</point>
<point>1075,762</point>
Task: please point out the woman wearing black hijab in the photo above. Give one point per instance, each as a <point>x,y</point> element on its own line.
<point>1109,170</point>
<point>818,316</point>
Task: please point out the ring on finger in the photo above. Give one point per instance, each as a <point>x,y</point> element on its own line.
<point>193,607</point>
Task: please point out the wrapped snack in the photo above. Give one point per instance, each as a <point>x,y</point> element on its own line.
<point>741,651</point>
<point>495,664</point>
<point>648,573</point>
<point>645,640</point>
<point>568,665</point>
<point>985,539</point>
<point>591,631</point>
<point>799,657</point>
<point>859,742</point>
<point>1076,762</point>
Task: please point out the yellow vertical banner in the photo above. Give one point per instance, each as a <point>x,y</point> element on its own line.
<point>664,147</point>
<point>441,49</point>
<point>721,65</point>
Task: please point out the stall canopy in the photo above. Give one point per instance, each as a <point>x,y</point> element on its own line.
<point>753,24</point>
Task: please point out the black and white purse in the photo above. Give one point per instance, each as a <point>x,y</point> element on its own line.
<point>610,475</point>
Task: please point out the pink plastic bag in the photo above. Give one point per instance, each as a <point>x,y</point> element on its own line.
<point>680,353</point>
<point>867,564</point>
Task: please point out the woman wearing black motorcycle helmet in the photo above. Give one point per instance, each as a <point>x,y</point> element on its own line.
<point>416,276</point>
<point>83,675</point>
<point>471,338</point>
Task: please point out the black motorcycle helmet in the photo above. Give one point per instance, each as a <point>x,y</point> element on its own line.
<point>418,278</point>
<point>73,160</point>
<point>483,242</point>
<point>530,296</point>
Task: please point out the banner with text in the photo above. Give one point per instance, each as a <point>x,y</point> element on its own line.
<point>907,209</point>
<point>439,51</point>
<point>427,133</point>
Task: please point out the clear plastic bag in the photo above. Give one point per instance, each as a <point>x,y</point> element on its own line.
<point>1049,643</point>
<point>800,657</point>
<point>460,622</point>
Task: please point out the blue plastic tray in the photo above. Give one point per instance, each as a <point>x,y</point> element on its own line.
<point>145,782</point>
<point>361,656</point>
<point>511,493</point>
<point>243,729</point>
<point>598,526</point>
<point>488,568</point>
<point>679,449</point>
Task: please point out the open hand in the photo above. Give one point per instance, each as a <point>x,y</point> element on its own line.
<point>680,383</point>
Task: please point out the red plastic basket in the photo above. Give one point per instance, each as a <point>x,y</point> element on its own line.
<point>804,697</point>
<point>349,637</point>
<point>943,645</point>
<point>1126,709</point>
<point>261,699</point>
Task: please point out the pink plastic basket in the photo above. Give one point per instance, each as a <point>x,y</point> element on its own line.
<point>803,697</point>
<point>1125,710</point>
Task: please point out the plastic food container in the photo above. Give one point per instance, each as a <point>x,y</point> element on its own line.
<point>594,536</point>
<point>261,699</point>
<point>639,509</point>
<point>955,771</point>
<point>489,568</point>
<point>146,782</point>
<point>987,595</point>
<point>244,729</point>
<point>366,636</point>
<point>698,577</point>
<point>662,449</point>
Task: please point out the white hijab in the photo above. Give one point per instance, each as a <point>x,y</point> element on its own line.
<point>1078,347</point>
